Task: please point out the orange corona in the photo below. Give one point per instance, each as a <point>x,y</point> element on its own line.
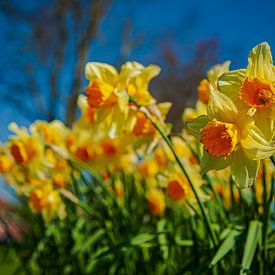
<point>256,93</point>
<point>219,138</point>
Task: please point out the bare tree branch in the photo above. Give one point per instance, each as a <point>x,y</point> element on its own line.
<point>82,49</point>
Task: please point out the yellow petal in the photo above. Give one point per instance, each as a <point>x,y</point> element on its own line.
<point>255,145</point>
<point>214,163</point>
<point>244,170</point>
<point>216,71</point>
<point>221,107</point>
<point>101,71</point>
<point>230,82</point>
<point>265,123</point>
<point>260,64</point>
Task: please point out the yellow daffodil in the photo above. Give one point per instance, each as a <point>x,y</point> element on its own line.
<point>53,133</point>
<point>156,201</point>
<point>138,77</point>
<point>110,94</point>
<point>230,138</point>
<point>107,94</point>
<point>6,162</point>
<point>253,89</point>
<point>204,91</point>
<point>47,201</point>
<point>178,188</point>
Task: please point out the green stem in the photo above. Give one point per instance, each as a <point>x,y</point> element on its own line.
<point>218,200</point>
<point>209,182</point>
<point>267,214</point>
<point>205,216</point>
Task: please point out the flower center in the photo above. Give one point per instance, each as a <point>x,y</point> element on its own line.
<point>100,94</point>
<point>143,125</point>
<point>19,152</point>
<point>109,148</point>
<point>219,138</point>
<point>256,93</point>
<point>176,190</point>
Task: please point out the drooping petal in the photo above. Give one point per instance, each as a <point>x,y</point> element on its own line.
<point>244,170</point>
<point>260,64</point>
<point>221,107</point>
<point>194,126</point>
<point>214,163</point>
<point>255,145</point>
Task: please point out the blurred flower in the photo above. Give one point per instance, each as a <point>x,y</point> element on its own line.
<point>47,201</point>
<point>204,91</point>
<point>156,201</point>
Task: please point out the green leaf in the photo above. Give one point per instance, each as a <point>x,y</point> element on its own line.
<point>194,126</point>
<point>182,242</point>
<point>92,240</point>
<point>254,237</point>
<point>162,239</point>
<point>141,239</point>
<point>226,245</point>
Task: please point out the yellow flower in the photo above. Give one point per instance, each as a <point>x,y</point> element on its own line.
<point>253,89</point>
<point>54,133</point>
<point>6,164</point>
<point>204,91</point>
<point>26,149</point>
<point>47,201</point>
<point>156,201</point>
<point>138,78</point>
<point>107,94</point>
<point>230,139</point>
<point>143,125</point>
<point>81,145</point>
<point>148,168</point>
<point>111,94</point>
<point>177,189</point>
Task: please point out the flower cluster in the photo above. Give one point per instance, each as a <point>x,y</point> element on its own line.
<point>119,132</point>
<point>237,129</point>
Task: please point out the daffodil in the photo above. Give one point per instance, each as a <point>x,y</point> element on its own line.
<point>156,201</point>
<point>110,92</point>
<point>253,89</point>
<point>230,138</point>
<point>47,201</point>
<point>204,91</point>
<point>52,133</point>
<point>6,160</point>
<point>107,94</point>
<point>137,78</point>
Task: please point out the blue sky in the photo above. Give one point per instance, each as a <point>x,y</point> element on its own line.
<point>238,25</point>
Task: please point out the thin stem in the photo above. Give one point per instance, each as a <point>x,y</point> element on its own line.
<point>267,214</point>
<point>170,145</point>
<point>209,182</point>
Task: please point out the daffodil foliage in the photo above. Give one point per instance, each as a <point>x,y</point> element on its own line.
<point>120,193</point>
